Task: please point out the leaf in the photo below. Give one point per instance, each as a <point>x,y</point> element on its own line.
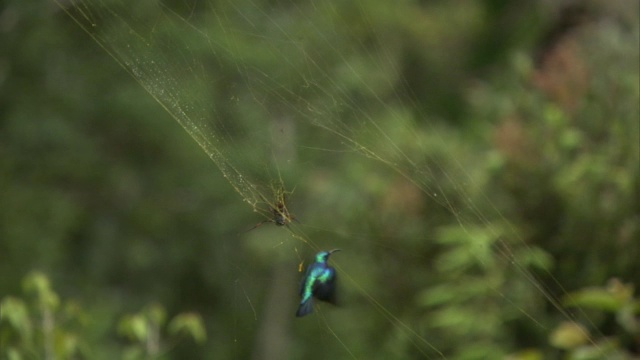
<point>594,298</point>
<point>190,323</point>
<point>134,327</point>
<point>436,295</point>
<point>15,312</point>
<point>38,283</point>
<point>535,257</point>
<point>569,335</point>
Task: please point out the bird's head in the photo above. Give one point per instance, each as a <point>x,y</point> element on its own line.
<point>323,256</point>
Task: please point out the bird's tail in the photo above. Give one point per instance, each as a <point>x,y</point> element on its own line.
<point>305,308</point>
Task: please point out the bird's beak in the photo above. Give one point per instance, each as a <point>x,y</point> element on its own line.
<point>334,250</point>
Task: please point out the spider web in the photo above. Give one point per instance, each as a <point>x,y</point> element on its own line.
<point>247,84</point>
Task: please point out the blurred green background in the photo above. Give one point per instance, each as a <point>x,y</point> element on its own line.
<point>120,238</point>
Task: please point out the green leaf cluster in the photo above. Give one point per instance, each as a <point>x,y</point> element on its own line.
<point>44,327</point>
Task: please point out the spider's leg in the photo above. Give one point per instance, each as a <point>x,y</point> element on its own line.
<point>291,218</point>
<point>259,224</point>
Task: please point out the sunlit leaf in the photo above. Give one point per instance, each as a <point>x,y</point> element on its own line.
<point>594,298</point>
<point>189,323</point>
<point>569,335</point>
<point>15,312</point>
<point>134,327</point>
<point>37,283</point>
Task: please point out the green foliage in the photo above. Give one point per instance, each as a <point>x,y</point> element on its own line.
<point>146,330</point>
<point>40,326</point>
<point>475,295</point>
<point>583,339</point>
<point>189,324</point>
<point>615,300</point>
<point>44,327</point>
<point>492,182</point>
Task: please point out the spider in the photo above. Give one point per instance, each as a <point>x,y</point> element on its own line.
<point>281,215</point>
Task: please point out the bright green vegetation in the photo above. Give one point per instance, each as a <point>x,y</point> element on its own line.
<point>511,228</point>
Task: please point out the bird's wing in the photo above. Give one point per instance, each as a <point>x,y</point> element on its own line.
<point>327,291</point>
